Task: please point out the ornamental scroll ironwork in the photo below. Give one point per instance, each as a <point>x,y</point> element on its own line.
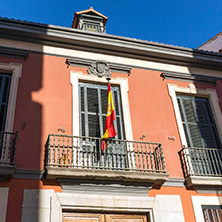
<point>100,68</point>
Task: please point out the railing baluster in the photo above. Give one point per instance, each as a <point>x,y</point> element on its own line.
<point>68,150</point>
<point>49,150</point>
<point>217,164</point>
<point>54,150</point>
<point>151,158</point>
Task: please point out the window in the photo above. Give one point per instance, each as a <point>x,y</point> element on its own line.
<point>9,77</point>
<point>93,108</point>
<point>198,122</point>
<point>198,116</point>
<point>5,81</point>
<point>212,213</point>
<point>121,96</point>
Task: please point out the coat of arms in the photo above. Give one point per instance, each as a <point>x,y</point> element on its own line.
<point>99,68</point>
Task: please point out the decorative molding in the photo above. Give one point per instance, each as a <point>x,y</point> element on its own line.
<point>105,187</point>
<point>100,68</point>
<point>28,174</point>
<point>201,181</point>
<point>109,175</point>
<point>174,182</point>
<point>114,67</point>
<point>191,77</point>
<point>13,53</point>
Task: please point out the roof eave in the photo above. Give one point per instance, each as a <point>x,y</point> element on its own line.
<point>108,44</point>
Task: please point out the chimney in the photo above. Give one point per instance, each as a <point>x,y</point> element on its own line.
<point>89,20</point>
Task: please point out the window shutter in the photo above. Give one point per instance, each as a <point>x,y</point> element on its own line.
<point>198,122</point>
<point>93,108</point>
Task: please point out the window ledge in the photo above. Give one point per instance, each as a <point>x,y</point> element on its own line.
<point>203,181</point>
<point>7,170</point>
<point>114,175</point>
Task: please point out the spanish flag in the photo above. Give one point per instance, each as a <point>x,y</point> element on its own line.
<point>110,132</point>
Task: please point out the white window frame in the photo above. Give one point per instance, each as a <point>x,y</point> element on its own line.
<point>15,69</point>
<point>76,77</point>
<point>211,94</point>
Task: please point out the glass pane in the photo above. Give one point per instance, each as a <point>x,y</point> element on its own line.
<point>94,130</point>
<point>104,100</point>
<point>208,138</point>
<point>5,90</point>
<point>92,100</point>
<point>118,128</point>
<point>200,110</point>
<point>82,99</point>
<point>83,125</point>
<point>195,135</point>
<point>116,103</point>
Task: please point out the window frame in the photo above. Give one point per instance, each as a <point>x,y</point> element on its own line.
<point>77,76</point>
<point>15,69</point>
<point>210,94</point>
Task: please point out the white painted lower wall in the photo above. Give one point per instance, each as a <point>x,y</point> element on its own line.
<point>3,203</point>
<point>46,205</point>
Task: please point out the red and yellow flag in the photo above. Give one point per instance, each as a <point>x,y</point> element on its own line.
<point>110,131</point>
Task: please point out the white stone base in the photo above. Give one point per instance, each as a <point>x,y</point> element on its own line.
<point>3,203</point>
<point>46,205</point>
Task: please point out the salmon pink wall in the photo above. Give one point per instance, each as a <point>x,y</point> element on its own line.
<point>44,103</point>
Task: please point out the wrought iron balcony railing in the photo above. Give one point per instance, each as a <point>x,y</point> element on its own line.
<point>8,147</point>
<point>202,162</point>
<point>85,152</point>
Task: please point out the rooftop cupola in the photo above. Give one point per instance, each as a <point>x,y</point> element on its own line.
<point>89,20</point>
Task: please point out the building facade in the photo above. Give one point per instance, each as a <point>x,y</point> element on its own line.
<point>163,165</point>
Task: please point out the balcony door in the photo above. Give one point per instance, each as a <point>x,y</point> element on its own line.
<point>93,109</point>
<point>5,81</point>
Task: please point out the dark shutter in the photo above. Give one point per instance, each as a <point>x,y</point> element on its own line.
<point>5,81</point>
<point>93,107</point>
<point>198,122</point>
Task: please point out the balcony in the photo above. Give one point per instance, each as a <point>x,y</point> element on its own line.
<point>7,153</point>
<point>202,166</point>
<point>82,158</point>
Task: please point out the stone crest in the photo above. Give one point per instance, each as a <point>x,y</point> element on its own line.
<point>100,68</point>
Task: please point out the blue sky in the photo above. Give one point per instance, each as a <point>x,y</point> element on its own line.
<point>177,22</point>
